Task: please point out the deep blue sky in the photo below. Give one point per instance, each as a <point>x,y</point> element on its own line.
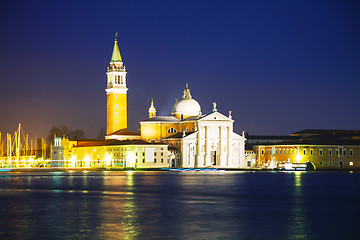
<point>280,66</point>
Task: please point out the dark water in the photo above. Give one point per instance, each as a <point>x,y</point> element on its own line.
<point>165,205</point>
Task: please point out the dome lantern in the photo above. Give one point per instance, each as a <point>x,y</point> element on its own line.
<point>187,106</point>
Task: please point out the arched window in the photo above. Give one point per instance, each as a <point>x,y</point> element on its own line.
<point>172,130</point>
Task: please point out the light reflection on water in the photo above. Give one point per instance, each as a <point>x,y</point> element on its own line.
<point>297,223</point>
<point>165,205</point>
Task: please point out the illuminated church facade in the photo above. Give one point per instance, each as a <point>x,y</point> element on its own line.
<point>204,140</point>
<point>187,138</point>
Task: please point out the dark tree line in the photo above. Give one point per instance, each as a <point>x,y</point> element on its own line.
<point>64,131</point>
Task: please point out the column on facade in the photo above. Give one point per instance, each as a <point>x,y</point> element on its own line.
<point>191,155</point>
<point>198,156</point>
<point>221,143</point>
<point>207,150</point>
<point>242,154</point>
<point>183,154</point>
<point>228,155</point>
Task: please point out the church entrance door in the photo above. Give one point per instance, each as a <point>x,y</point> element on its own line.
<point>213,157</point>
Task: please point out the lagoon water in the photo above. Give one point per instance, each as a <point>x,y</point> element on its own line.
<point>180,205</point>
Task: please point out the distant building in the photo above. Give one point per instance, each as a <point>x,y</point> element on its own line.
<point>325,149</point>
<point>57,152</point>
<point>120,154</point>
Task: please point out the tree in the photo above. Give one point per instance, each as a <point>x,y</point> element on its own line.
<point>53,131</point>
<point>64,131</point>
<point>77,134</point>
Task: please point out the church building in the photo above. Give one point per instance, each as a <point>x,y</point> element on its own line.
<point>187,138</point>
<point>203,140</point>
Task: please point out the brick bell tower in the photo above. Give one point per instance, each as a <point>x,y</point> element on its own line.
<point>116,93</point>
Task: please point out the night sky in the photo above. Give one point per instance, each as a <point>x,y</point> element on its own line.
<point>279,66</point>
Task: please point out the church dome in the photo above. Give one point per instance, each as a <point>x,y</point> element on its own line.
<point>187,106</point>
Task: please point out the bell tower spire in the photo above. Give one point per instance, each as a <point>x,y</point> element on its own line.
<point>116,92</point>
<point>152,110</point>
<point>116,57</point>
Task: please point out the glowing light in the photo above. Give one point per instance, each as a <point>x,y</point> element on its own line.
<point>31,161</point>
<point>298,157</point>
<point>130,159</point>
<point>87,160</point>
<point>108,159</point>
<point>351,163</point>
<point>73,161</point>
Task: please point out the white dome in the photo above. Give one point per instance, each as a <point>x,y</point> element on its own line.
<point>186,107</point>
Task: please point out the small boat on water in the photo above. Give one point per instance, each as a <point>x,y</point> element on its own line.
<point>192,169</point>
<point>295,166</point>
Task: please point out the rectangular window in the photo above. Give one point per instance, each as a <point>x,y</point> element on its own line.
<point>287,151</point>
<point>162,154</point>
<point>321,152</point>
<point>276,151</point>
<point>351,152</point>
<point>154,160</point>
<point>162,160</point>
<point>344,152</point>
<point>312,152</point>
<point>337,152</point>
<point>292,151</point>
<point>340,151</point>
<point>154,153</point>
<point>284,151</point>
<point>330,152</point>
<point>262,151</point>
<point>304,151</point>
<point>267,151</point>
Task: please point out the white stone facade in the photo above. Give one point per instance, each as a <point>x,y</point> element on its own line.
<point>213,144</point>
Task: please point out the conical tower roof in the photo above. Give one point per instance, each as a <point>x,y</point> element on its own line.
<point>116,57</point>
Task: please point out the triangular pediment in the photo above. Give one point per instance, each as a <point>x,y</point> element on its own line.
<point>215,116</point>
<point>191,136</point>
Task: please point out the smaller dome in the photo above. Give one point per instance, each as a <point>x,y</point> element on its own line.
<point>187,106</point>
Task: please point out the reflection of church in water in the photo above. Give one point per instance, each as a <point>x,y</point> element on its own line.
<point>187,138</point>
